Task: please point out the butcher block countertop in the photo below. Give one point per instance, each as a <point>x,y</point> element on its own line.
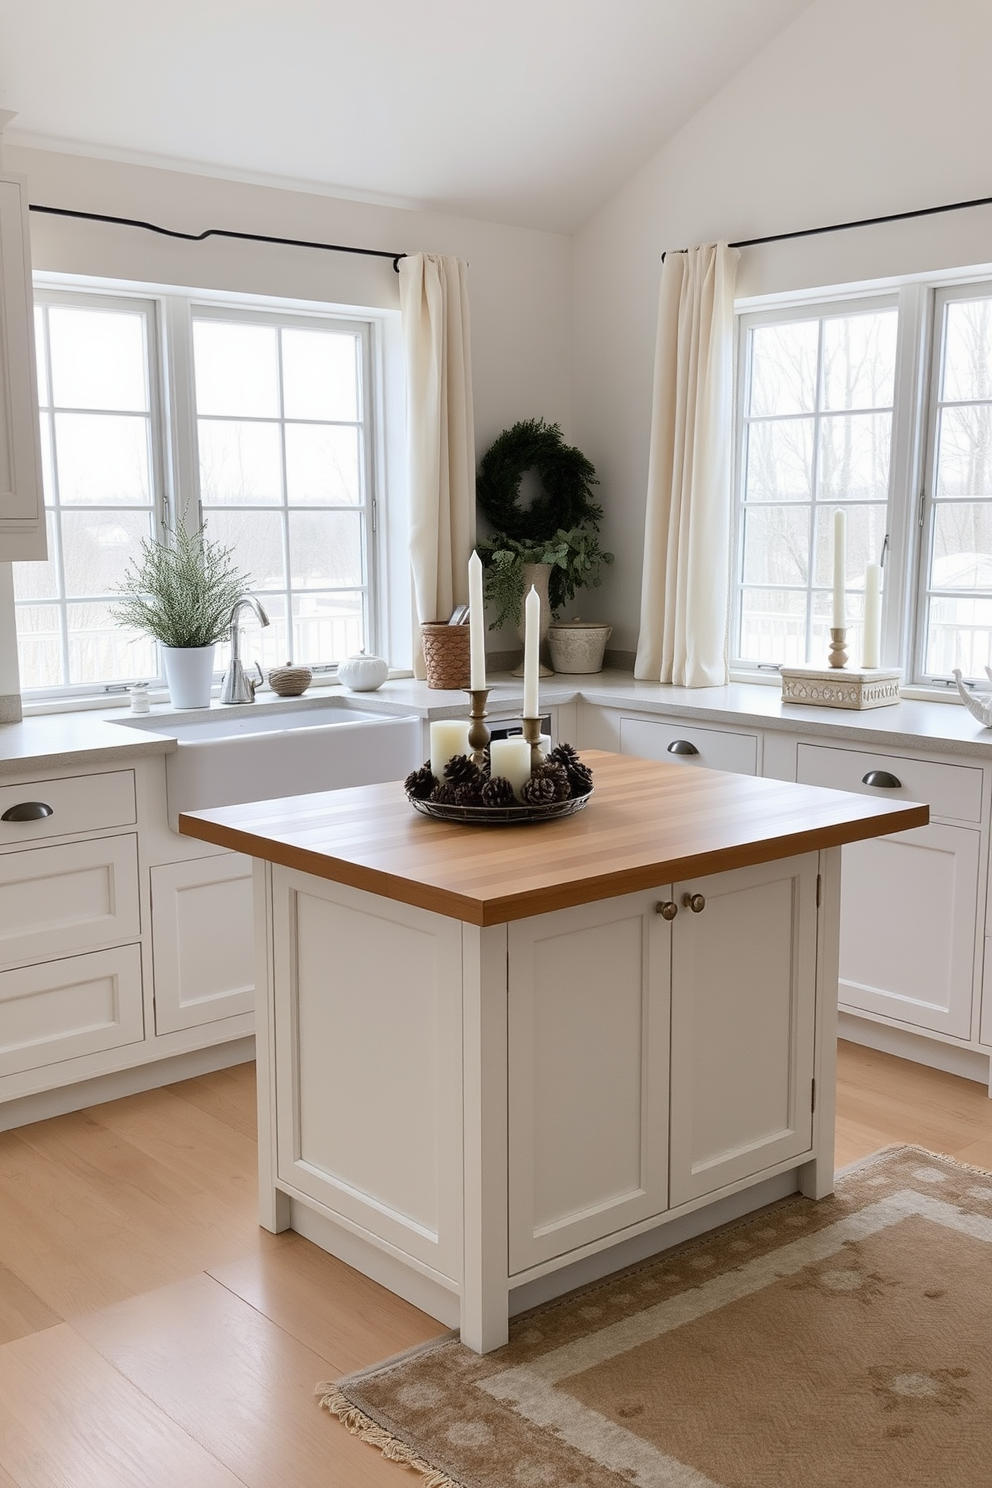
<point>646,824</point>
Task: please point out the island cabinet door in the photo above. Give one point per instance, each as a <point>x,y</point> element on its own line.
<point>743,1017</point>
<point>368,1040</point>
<point>588,1015</point>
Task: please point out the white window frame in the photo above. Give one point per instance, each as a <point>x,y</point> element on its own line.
<point>920,298</point>
<point>389,615</point>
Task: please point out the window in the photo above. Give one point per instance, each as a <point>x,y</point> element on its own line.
<point>956,621</point>
<point>816,434</point>
<point>260,422</point>
<point>881,406</point>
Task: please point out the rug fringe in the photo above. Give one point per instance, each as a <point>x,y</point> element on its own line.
<point>359,1424</point>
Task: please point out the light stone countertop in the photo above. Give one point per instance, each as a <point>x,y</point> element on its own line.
<point>94,737</point>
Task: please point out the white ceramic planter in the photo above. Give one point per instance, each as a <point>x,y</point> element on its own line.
<point>577,646</point>
<point>189,672</point>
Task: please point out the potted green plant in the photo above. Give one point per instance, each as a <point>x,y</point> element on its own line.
<point>554,542</point>
<point>181,590</point>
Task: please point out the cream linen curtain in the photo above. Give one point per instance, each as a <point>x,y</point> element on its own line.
<point>684,593</point>
<point>440,433</point>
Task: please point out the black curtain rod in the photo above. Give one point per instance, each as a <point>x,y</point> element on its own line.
<point>813,232</point>
<point>219,232</point>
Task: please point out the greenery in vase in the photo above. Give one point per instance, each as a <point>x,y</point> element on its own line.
<point>181,591</point>
<point>576,561</point>
<point>559,527</point>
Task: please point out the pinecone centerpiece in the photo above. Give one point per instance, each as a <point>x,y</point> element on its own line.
<point>466,792</point>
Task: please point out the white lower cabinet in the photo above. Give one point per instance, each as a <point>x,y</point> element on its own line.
<point>743,966</point>
<point>674,740</point>
<point>588,1017</point>
<point>202,941</point>
<point>368,1058</point>
<point>910,931</point>
<point>61,1010</point>
<point>654,1061</point>
<point>68,897</point>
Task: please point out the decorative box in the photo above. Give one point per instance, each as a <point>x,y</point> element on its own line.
<point>839,687</point>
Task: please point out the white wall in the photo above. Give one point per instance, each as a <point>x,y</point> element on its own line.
<point>860,108</point>
<point>519,280</point>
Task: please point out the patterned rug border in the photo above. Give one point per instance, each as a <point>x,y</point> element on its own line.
<point>332,1395</point>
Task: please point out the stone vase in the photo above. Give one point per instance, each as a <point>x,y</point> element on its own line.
<point>537,575</point>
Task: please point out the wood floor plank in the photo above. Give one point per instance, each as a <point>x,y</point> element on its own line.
<point>236,1383</point>
<point>198,1148</point>
<point>228,1095</point>
<point>69,1420</point>
<point>882,1099</point>
<point>89,1219</point>
<point>21,1311</point>
<point>344,1316</point>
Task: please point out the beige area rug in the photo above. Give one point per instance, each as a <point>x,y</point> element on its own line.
<point>817,1345</point>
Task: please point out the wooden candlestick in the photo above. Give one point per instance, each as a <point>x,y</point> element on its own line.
<point>838,647</point>
<point>532,733</point>
<point>478,729</point>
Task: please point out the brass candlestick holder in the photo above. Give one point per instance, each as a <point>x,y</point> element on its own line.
<point>838,647</point>
<point>478,730</point>
<point>532,734</point>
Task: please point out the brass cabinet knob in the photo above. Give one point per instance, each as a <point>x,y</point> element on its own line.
<point>668,909</point>
<point>695,902</point>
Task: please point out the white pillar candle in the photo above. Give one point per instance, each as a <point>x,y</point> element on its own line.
<point>449,736</point>
<point>873,615</point>
<point>840,569</point>
<point>476,625</point>
<point>511,759</point>
<point>532,646</point>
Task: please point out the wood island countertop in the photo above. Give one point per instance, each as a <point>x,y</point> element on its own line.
<point>647,824</point>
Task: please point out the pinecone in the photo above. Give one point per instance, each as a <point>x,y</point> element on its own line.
<point>580,779</point>
<point>460,770</point>
<point>444,795</point>
<point>579,775</point>
<point>420,783</point>
<point>538,791</point>
<point>469,794</point>
<point>498,792</point>
<point>558,775</point>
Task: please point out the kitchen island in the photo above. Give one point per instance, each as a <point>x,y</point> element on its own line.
<point>490,1057</point>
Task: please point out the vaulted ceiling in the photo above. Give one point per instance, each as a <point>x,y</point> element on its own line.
<point>530,112</point>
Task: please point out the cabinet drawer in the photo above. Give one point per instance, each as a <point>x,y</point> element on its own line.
<point>62,1009</point>
<point>717,749</point>
<point>949,790</point>
<point>82,803</point>
<point>70,897</point>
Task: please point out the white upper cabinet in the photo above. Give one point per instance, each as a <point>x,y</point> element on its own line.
<point>22,512</point>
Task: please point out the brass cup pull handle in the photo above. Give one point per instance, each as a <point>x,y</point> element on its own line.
<point>682,746</point>
<point>668,909</point>
<point>883,779</point>
<point>695,902</point>
<point>27,811</point>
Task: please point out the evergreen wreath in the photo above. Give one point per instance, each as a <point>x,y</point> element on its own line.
<point>566,477</point>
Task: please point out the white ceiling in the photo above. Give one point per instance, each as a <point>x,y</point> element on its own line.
<point>530,112</point>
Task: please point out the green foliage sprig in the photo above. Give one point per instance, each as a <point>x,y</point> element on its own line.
<point>181,591</point>
<point>576,560</point>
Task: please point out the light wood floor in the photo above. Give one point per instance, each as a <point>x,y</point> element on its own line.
<point>152,1336</point>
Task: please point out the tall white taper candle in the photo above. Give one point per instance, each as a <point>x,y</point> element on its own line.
<point>840,568</point>
<point>532,646</point>
<point>476,625</point>
<point>873,615</point>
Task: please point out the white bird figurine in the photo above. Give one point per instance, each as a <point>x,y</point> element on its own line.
<point>980,706</point>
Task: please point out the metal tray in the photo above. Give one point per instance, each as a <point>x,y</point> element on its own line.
<point>500,816</point>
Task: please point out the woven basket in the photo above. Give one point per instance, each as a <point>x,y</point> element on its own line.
<point>446,654</point>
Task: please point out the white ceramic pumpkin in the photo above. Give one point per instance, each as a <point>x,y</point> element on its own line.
<point>363,673</point>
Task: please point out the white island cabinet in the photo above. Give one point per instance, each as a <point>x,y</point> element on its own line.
<point>490,1054</point>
